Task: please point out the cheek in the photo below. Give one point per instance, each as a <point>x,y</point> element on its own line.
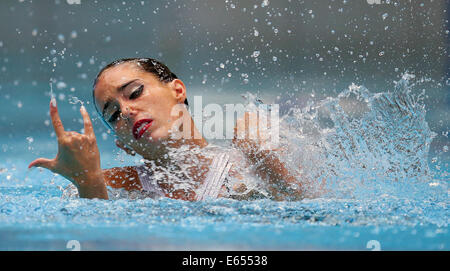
<point>163,101</point>
<point>167,121</point>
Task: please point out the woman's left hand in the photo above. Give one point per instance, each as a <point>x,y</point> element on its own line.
<point>250,138</point>
<point>253,141</point>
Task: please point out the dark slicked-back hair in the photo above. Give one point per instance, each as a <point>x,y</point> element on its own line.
<point>153,66</point>
<point>157,68</point>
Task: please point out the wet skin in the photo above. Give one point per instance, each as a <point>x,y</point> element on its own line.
<point>125,94</point>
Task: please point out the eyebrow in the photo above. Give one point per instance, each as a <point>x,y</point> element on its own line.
<point>119,89</point>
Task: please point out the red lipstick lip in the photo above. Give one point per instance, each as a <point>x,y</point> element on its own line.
<point>137,133</point>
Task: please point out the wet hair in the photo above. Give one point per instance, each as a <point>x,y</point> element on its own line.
<point>153,66</point>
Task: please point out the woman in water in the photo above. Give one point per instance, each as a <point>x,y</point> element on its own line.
<point>135,98</point>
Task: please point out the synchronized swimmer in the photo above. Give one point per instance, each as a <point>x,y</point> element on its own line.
<point>134,97</point>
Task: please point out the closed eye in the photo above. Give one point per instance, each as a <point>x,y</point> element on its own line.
<point>114,116</point>
<point>137,92</point>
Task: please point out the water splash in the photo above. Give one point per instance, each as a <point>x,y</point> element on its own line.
<point>75,100</point>
<point>52,95</point>
<point>360,142</point>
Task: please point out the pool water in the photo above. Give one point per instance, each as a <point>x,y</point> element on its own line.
<point>34,216</point>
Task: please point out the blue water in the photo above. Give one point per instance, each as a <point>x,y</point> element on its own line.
<point>378,189</point>
<point>34,217</point>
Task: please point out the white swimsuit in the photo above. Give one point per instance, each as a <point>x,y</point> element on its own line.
<point>209,189</point>
<point>218,171</point>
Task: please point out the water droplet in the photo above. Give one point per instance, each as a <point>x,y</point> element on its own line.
<point>61,38</point>
<point>61,85</point>
<point>255,54</point>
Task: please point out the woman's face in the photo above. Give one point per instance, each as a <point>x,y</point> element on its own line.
<point>137,105</point>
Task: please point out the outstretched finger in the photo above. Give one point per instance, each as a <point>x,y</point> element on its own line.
<point>56,121</point>
<point>88,129</point>
<point>43,162</point>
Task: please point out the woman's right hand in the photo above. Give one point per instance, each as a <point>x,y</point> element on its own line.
<point>78,157</point>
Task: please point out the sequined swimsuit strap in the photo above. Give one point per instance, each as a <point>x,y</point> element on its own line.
<point>215,178</point>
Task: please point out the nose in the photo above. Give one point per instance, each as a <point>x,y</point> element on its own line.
<point>127,112</point>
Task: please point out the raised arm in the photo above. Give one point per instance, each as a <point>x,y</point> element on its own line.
<point>78,158</point>
<point>282,183</point>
